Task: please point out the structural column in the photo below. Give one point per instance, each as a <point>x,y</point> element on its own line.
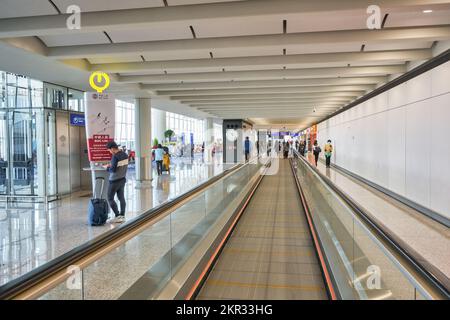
<point>159,125</point>
<point>209,139</point>
<point>143,131</point>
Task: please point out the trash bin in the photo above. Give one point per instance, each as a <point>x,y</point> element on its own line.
<point>97,171</point>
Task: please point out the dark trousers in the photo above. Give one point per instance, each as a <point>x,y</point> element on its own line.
<point>117,187</point>
<point>159,167</point>
<point>328,160</point>
<point>247,155</point>
<point>316,157</point>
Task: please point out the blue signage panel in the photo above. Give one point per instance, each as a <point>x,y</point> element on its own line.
<point>77,120</point>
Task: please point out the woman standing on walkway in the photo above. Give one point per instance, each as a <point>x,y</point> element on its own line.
<point>316,151</point>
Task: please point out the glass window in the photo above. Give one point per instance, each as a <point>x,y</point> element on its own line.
<point>37,93</point>
<point>125,124</point>
<point>55,96</point>
<point>75,100</point>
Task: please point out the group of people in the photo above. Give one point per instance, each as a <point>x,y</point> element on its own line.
<point>328,149</point>
<point>119,164</point>
<point>316,150</point>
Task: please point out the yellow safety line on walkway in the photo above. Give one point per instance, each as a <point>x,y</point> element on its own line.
<point>220,283</point>
<point>276,229</point>
<point>286,253</point>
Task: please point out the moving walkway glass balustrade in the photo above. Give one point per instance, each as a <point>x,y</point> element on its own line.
<point>361,265</point>
<point>142,266</point>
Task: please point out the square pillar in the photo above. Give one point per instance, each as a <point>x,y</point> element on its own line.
<point>143,132</point>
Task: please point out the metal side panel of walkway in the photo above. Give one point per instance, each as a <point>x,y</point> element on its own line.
<point>270,254</point>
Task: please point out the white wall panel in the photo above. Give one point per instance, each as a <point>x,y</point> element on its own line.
<point>389,138</point>
<point>380,147</point>
<point>396,96</point>
<point>418,88</point>
<point>418,128</point>
<point>440,79</point>
<point>439,149</point>
<point>395,154</point>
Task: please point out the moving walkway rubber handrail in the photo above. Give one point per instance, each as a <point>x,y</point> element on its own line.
<point>324,263</point>
<point>31,279</point>
<point>436,283</point>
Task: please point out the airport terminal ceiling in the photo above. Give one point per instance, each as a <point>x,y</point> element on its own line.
<point>259,150</point>
<point>287,63</point>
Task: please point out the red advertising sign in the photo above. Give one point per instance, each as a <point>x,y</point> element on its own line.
<point>96,148</point>
<point>100,118</point>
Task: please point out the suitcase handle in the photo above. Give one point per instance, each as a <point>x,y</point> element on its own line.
<point>103,184</point>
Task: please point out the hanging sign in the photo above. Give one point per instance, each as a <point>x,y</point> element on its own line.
<point>100,119</point>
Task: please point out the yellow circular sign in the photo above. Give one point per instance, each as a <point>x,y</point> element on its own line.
<point>96,80</point>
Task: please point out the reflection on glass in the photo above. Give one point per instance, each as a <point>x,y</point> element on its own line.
<point>3,152</point>
<point>23,157</point>
<point>362,266</point>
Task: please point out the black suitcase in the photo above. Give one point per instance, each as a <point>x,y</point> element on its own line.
<point>98,208</point>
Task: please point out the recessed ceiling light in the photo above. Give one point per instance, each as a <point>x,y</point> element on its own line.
<point>427,11</point>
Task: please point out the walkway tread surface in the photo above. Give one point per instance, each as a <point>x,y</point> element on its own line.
<point>270,254</point>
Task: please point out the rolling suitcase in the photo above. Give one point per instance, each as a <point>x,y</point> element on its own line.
<point>98,208</point>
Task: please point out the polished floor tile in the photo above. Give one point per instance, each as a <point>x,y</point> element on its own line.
<point>32,236</point>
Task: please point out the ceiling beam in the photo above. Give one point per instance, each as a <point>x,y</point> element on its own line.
<point>265,83</point>
<point>308,73</point>
<point>274,41</point>
<point>260,101</point>
<point>187,14</point>
<point>297,60</point>
<point>260,114</point>
<point>268,104</point>
<point>230,97</point>
<point>353,88</point>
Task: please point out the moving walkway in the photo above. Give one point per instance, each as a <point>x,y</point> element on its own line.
<point>267,229</point>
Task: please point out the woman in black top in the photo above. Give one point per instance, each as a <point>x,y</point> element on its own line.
<point>316,151</point>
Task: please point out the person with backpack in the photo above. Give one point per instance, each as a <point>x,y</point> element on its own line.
<point>316,151</point>
<point>117,178</point>
<point>328,149</point>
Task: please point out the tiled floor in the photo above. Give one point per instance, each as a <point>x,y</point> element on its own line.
<point>32,236</point>
<point>427,237</point>
<point>270,254</point>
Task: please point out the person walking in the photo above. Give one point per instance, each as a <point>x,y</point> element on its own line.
<point>247,148</point>
<point>117,178</point>
<point>159,155</point>
<point>328,149</point>
<point>316,151</point>
<point>285,150</point>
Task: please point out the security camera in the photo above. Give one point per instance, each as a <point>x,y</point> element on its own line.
<point>314,110</point>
